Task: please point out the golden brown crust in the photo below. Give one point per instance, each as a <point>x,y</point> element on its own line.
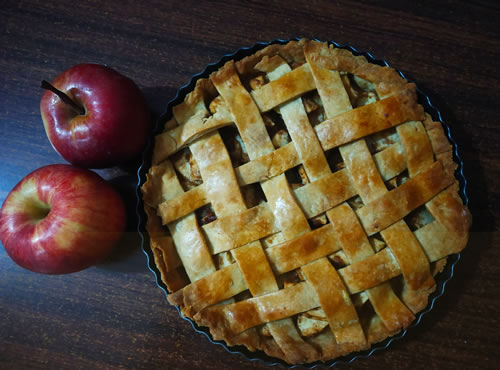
<point>369,119</point>
<point>291,85</point>
<point>386,79</point>
<point>292,52</point>
<point>396,204</point>
<point>334,299</point>
<point>351,213</point>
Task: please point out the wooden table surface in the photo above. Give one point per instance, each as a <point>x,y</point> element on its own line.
<point>114,315</point>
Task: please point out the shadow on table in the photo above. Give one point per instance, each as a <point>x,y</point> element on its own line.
<point>123,256</point>
<point>127,255</point>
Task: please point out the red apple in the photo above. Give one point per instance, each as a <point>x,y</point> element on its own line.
<point>61,219</point>
<point>94,116</point>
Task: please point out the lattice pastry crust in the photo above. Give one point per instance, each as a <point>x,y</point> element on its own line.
<point>301,201</point>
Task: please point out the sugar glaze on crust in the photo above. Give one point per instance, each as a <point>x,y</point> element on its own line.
<point>301,202</point>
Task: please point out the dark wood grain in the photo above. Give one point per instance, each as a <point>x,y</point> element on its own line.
<point>113,315</point>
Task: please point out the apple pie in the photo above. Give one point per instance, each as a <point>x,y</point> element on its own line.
<point>300,202</point>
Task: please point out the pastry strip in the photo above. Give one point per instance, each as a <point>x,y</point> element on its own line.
<point>437,242</point>
<point>335,301</point>
<point>295,348</point>
<point>359,276</point>
<point>409,254</point>
<point>186,234</point>
<point>447,208</point>
<point>235,230</point>
<point>231,319</point>
<point>224,194</point>
<point>255,269</point>
<point>362,170</point>
<point>389,308</point>
<point>448,233</point>
<point>218,176</point>
<point>209,290</point>
<point>330,88</point>
<point>287,213</point>
<point>369,119</point>
<point>268,165</point>
<point>302,250</point>
<point>439,141</point>
<point>335,188</point>
<point>285,88</point>
<point>191,247</point>
<point>245,113</point>
<point>397,203</point>
<point>260,279</point>
<point>391,161</point>
<point>169,142</point>
<point>417,146</point>
<point>183,205</point>
<point>370,186</point>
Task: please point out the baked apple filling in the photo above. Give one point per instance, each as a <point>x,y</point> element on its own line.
<point>187,169</point>
<point>382,140</point>
<point>235,146</point>
<point>360,91</point>
<point>314,108</point>
<point>205,215</point>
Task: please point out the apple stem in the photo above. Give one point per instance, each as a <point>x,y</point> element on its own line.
<point>65,98</point>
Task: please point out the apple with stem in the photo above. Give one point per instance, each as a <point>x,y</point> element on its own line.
<point>94,116</point>
<point>61,219</point>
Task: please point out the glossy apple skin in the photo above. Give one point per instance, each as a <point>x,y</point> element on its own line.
<point>116,122</point>
<point>61,219</point>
